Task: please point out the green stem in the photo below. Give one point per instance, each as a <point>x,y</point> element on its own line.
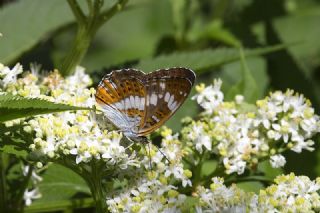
<point>76,9</point>
<point>87,28</point>
<point>19,198</point>
<point>94,181</point>
<point>106,15</point>
<point>197,171</point>
<point>77,51</point>
<point>3,186</point>
<point>93,176</point>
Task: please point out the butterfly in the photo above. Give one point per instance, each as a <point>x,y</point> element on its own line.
<point>138,103</point>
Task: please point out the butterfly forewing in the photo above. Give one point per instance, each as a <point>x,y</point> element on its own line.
<point>123,91</point>
<point>166,90</point>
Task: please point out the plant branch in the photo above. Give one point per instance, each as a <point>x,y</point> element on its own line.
<point>90,6</point>
<point>106,15</point>
<point>87,28</point>
<point>77,12</point>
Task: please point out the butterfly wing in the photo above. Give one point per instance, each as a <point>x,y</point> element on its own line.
<point>122,95</point>
<point>166,90</point>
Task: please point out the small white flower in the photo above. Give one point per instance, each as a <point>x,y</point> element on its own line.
<point>79,79</point>
<point>239,99</point>
<point>277,161</point>
<point>34,176</point>
<point>210,97</point>
<point>200,138</point>
<point>28,196</point>
<point>8,75</point>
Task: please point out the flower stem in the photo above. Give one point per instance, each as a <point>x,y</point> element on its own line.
<point>3,189</point>
<point>93,176</point>
<point>94,181</point>
<point>77,51</point>
<point>87,28</point>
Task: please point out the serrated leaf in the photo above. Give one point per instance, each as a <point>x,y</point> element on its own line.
<point>11,149</point>
<point>12,142</point>
<point>22,32</point>
<point>203,59</point>
<point>13,107</point>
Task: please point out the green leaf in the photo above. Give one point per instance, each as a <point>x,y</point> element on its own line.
<point>268,171</point>
<point>13,141</point>
<point>59,205</point>
<point>303,64</point>
<point>231,75</point>
<point>11,149</point>
<point>60,183</point>
<point>25,23</point>
<point>293,29</point>
<point>190,204</point>
<point>251,186</point>
<point>208,167</point>
<point>217,32</point>
<point>247,86</point>
<point>203,59</point>
<point>13,107</point>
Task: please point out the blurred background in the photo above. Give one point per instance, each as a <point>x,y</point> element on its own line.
<point>280,39</point>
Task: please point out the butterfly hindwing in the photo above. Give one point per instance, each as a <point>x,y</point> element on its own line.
<point>166,90</point>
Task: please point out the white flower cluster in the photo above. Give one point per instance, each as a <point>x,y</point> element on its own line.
<point>220,198</point>
<point>290,193</point>
<point>148,195</point>
<point>241,133</point>
<point>168,158</point>
<point>155,193</point>
<point>71,133</point>
<point>210,97</point>
<point>288,117</point>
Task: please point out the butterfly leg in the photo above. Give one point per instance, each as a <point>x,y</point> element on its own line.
<point>150,156</point>
<point>144,140</point>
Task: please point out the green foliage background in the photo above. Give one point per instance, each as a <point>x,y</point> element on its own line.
<point>280,40</point>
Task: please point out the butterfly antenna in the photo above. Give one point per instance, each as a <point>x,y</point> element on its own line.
<point>159,151</point>
<point>150,156</point>
<point>147,141</point>
<point>164,155</point>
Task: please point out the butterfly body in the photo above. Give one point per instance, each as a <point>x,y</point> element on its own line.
<point>138,103</point>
